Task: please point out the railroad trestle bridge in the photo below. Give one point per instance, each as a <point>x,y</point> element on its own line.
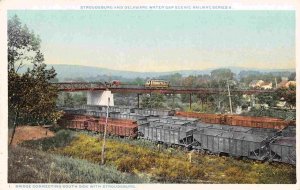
<point>95,90</point>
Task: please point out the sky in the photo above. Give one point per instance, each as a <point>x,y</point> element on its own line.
<point>153,40</point>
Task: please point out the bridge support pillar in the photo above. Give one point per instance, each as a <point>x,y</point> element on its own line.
<point>100,98</point>
<point>138,100</point>
<point>173,101</point>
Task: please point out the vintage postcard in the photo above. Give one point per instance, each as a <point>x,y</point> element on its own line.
<point>100,95</point>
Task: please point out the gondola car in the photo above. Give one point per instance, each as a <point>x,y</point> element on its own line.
<point>154,83</point>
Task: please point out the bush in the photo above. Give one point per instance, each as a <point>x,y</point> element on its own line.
<point>282,114</point>
<point>174,170</point>
<point>61,139</point>
<point>235,175</point>
<point>277,174</point>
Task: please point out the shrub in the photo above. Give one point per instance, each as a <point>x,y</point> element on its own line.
<point>126,164</point>
<point>234,175</point>
<point>282,114</point>
<point>61,139</point>
<point>277,173</point>
<point>174,170</point>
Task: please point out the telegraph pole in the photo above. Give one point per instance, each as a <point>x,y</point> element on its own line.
<point>104,135</point>
<point>173,103</point>
<point>190,102</point>
<point>229,97</point>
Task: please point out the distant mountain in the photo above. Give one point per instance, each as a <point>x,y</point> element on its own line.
<point>75,71</point>
<point>67,72</point>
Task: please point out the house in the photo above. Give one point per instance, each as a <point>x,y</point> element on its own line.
<point>256,83</point>
<point>286,84</point>
<point>266,85</point>
<point>281,103</point>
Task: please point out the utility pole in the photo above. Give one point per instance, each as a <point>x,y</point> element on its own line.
<point>229,97</point>
<point>190,102</point>
<point>275,82</point>
<point>104,135</point>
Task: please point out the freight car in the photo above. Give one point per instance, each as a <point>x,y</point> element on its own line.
<point>283,149</point>
<point>236,141</point>
<point>116,127</point>
<point>236,120</point>
<point>114,83</point>
<point>238,144</point>
<point>157,84</point>
<point>256,143</point>
<point>167,133</point>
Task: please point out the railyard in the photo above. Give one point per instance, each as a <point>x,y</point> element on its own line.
<point>150,103</point>
<point>265,139</point>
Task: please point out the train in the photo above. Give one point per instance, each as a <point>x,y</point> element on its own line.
<point>238,120</point>
<point>261,142</point>
<point>114,83</point>
<point>116,127</point>
<point>155,83</point>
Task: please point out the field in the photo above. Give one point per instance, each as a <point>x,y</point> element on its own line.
<point>71,156</point>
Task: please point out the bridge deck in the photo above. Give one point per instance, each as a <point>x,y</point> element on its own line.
<point>98,86</point>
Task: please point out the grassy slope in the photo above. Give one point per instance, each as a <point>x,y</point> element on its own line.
<point>164,165</point>
<point>32,166</point>
<point>174,166</point>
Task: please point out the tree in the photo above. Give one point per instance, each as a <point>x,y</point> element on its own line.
<point>31,98</point>
<point>79,98</point>
<point>153,101</point>
<point>288,94</point>
<point>222,75</point>
<point>220,78</point>
<point>174,79</point>
<point>267,98</point>
<point>203,81</point>
<point>68,99</point>
<point>139,81</point>
<point>189,81</point>
<point>21,42</point>
<point>292,76</point>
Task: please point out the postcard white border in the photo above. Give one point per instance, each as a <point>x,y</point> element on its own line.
<point>75,5</point>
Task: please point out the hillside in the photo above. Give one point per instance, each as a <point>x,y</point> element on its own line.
<point>68,72</point>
